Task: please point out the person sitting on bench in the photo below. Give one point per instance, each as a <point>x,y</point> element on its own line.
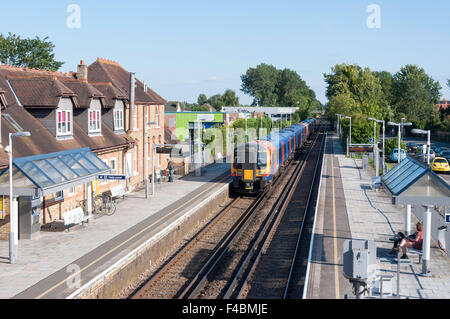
<point>414,241</point>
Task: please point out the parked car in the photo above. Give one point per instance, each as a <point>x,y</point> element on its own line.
<point>442,152</point>
<point>411,147</point>
<point>424,156</point>
<point>440,164</point>
<point>394,155</point>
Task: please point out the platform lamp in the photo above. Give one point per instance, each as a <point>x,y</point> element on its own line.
<point>339,122</point>
<point>13,218</point>
<point>399,125</point>
<point>350,131</point>
<point>375,144</point>
<point>417,131</point>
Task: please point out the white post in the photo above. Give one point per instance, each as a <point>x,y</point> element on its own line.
<point>407,220</point>
<point>384,155</point>
<point>426,245</point>
<point>89,199</point>
<point>428,148</point>
<point>399,152</point>
<point>198,158</point>
<point>146,110</point>
<point>13,242</point>
<point>153,169</point>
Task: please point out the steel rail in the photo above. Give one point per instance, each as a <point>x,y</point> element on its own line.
<point>307,207</point>
<point>200,279</point>
<point>272,221</point>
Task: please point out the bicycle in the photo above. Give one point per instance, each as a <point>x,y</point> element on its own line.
<point>101,205</point>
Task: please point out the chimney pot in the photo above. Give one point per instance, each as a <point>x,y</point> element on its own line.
<point>82,72</point>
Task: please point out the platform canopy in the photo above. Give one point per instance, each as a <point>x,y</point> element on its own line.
<point>413,183</point>
<point>45,174</point>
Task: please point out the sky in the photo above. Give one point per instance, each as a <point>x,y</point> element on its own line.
<point>184,48</point>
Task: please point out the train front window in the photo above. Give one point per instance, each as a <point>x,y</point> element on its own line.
<point>262,158</point>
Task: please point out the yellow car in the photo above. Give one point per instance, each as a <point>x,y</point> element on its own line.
<point>440,164</point>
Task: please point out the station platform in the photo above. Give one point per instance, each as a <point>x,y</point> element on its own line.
<point>59,264</point>
<point>348,208</point>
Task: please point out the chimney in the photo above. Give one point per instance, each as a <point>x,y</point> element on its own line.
<point>82,72</point>
<point>133,115</point>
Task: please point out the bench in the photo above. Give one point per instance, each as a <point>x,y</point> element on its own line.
<point>412,251</point>
<point>74,216</point>
<point>117,191</point>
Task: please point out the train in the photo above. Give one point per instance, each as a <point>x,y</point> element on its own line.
<point>256,163</point>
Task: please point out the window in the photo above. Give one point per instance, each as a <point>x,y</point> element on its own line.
<point>72,191</point>
<point>135,160</point>
<point>157,115</point>
<point>59,195</point>
<point>118,119</point>
<point>112,165</point>
<point>64,123</point>
<point>94,121</point>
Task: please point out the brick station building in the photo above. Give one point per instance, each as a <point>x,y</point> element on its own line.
<point>87,109</point>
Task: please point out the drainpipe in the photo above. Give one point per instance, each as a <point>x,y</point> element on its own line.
<point>132,101</point>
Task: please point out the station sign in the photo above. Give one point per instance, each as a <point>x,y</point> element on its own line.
<point>205,117</point>
<point>447,218</point>
<point>112,177</point>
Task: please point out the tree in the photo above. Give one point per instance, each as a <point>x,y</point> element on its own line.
<point>356,92</point>
<point>415,96</point>
<point>261,83</point>
<point>32,53</point>
<point>202,99</point>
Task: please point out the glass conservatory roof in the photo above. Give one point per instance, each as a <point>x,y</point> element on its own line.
<point>412,182</point>
<point>52,170</point>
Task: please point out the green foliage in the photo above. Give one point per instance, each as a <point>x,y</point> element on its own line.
<point>415,97</point>
<point>392,143</point>
<point>229,98</point>
<point>272,87</point>
<point>32,53</point>
<point>354,92</point>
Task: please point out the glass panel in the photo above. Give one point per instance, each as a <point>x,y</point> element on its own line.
<point>409,178</point>
<point>100,165</point>
<point>85,163</point>
<point>35,174</point>
<point>50,171</point>
<point>74,165</point>
<point>63,169</point>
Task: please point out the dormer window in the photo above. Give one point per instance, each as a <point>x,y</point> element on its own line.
<point>118,120</point>
<point>64,123</point>
<point>94,121</point>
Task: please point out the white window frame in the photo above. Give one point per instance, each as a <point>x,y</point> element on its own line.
<point>135,161</point>
<point>157,116</point>
<point>72,191</point>
<point>60,197</point>
<point>113,160</point>
<point>118,120</point>
<point>94,121</point>
<point>64,128</point>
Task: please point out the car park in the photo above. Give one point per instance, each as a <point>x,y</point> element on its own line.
<point>440,164</point>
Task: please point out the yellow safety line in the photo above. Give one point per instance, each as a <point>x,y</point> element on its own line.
<point>123,243</point>
<point>336,271</point>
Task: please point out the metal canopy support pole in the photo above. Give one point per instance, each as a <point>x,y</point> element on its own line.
<point>198,164</point>
<point>407,220</point>
<point>13,243</point>
<point>428,147</point>
<point>426,245</point>
<point>89,199</point>
<point>153,169</point>
<point>399,152</point>
<point>384,155</point>
<point>146,111</point>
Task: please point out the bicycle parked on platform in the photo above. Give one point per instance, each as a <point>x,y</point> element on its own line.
<point>102,204</point>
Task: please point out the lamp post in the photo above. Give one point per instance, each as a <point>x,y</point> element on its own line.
<point>13,219</point>
<point>375,144</point>
<point>400,126</point>
<point>350,131</point>
<point>417,131</point>
<point>339,122</point>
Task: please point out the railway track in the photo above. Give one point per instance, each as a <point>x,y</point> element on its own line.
<point>212,264</point>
